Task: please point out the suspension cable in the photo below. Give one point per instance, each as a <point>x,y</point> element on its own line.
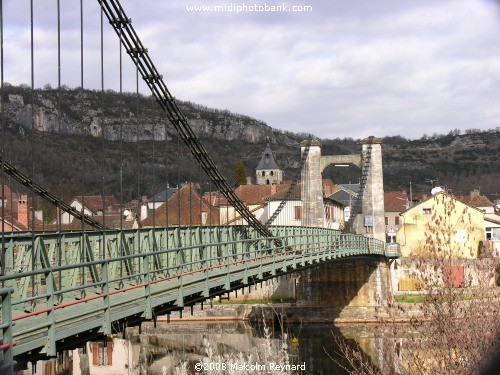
<point>349,228</point>
<point>2,145</point>
<point>140,57</point>
<point>291,189</point>
<point>28,182</point>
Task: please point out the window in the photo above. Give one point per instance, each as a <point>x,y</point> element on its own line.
<point>263,173</point>
<point>272,173</point>
<point>493,234</point>
<point>396,220</point>
<point>461,236</point>
<point>426,211</point>
<point>298,213</point>
<point>386,220</point>
<point>329,213</point>
<point>102,355</point>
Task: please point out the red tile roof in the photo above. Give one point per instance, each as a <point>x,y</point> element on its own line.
<point>476,200</point>
<point>185,207</point>
<point>256,194</point>
<point>11,213</point>
<point>95,202</point>
<point>395,201</point>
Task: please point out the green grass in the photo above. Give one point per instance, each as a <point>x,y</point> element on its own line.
<point>458,294</point>
<point>409,298</point>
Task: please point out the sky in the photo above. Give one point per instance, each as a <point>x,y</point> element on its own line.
<point>336,69</point>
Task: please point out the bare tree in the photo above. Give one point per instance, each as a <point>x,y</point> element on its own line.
<point>455,329</point>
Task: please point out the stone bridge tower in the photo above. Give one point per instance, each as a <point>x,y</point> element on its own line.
<point>341,288</point>
<point>372,209</point>
<point>371,221</point>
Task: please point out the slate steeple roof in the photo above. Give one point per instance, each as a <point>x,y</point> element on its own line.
<point>267,160</point>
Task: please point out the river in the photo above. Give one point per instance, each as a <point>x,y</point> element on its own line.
<point>311,348</point>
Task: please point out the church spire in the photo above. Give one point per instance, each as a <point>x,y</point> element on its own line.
<point>268,172</point>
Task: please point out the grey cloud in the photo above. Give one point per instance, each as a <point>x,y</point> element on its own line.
<point>348,68</point>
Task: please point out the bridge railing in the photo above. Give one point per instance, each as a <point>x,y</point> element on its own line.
<point>57,279</point>
<point>7,343</point>
<point>75,262</point>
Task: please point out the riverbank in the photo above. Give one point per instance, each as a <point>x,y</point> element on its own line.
<point>291,313</point>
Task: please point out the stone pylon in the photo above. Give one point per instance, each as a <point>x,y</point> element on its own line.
<point>371,221</point>
<point>312,186</point>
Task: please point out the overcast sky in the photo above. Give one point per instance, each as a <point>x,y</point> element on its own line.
<point>346,68</point>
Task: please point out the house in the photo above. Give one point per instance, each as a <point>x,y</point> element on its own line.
<point>291,213</point>
<point>185,207</point>
<point>11,218</point>
<point>491,219</point>
<point>255,198</point>
<point>347,195</point>
<point>441,225</point>
<point>215,198</point>
<point>492,235</point>
<point>395,202</point>
<point>264,200</point>
<point>475,199</point>
<point>16,212</point>
<point>92,205</point>
<point>160,198</point>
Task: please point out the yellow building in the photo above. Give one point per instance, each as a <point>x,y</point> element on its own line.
<point>442,226</point>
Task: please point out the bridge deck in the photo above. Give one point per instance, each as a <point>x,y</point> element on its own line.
<point>61,302</point>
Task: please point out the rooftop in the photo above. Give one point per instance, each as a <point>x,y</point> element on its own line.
<point>267,161</point>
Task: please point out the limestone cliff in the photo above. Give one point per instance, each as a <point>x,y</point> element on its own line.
<point>128,117</point>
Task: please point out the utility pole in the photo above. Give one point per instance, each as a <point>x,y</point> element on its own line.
<point>411,197</point>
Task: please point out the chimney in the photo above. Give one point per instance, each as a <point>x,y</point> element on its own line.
<point>39,215</point>
<point>144,212</point>
<point>22,210</point>
<point>475,193</point>
<point>249,180</point>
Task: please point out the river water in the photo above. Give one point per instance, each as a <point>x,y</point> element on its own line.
<point>159,350</point>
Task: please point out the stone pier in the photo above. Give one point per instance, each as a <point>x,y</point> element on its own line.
<point>360,282</point>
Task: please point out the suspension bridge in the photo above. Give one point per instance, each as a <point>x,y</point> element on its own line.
<point>87,273</point>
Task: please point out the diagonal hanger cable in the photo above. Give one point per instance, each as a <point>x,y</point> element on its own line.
<point>139,55</point>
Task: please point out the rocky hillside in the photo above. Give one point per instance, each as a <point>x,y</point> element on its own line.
<point>83,138</point>
<point>92,113</point>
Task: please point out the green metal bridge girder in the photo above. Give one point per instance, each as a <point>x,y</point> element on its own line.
<point>63,284</point>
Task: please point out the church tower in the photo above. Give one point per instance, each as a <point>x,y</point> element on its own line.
<point>268,172</point>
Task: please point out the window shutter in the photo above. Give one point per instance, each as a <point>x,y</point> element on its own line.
<point>110,353</point>
<point>95,354</point>
<point>298,213</point>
